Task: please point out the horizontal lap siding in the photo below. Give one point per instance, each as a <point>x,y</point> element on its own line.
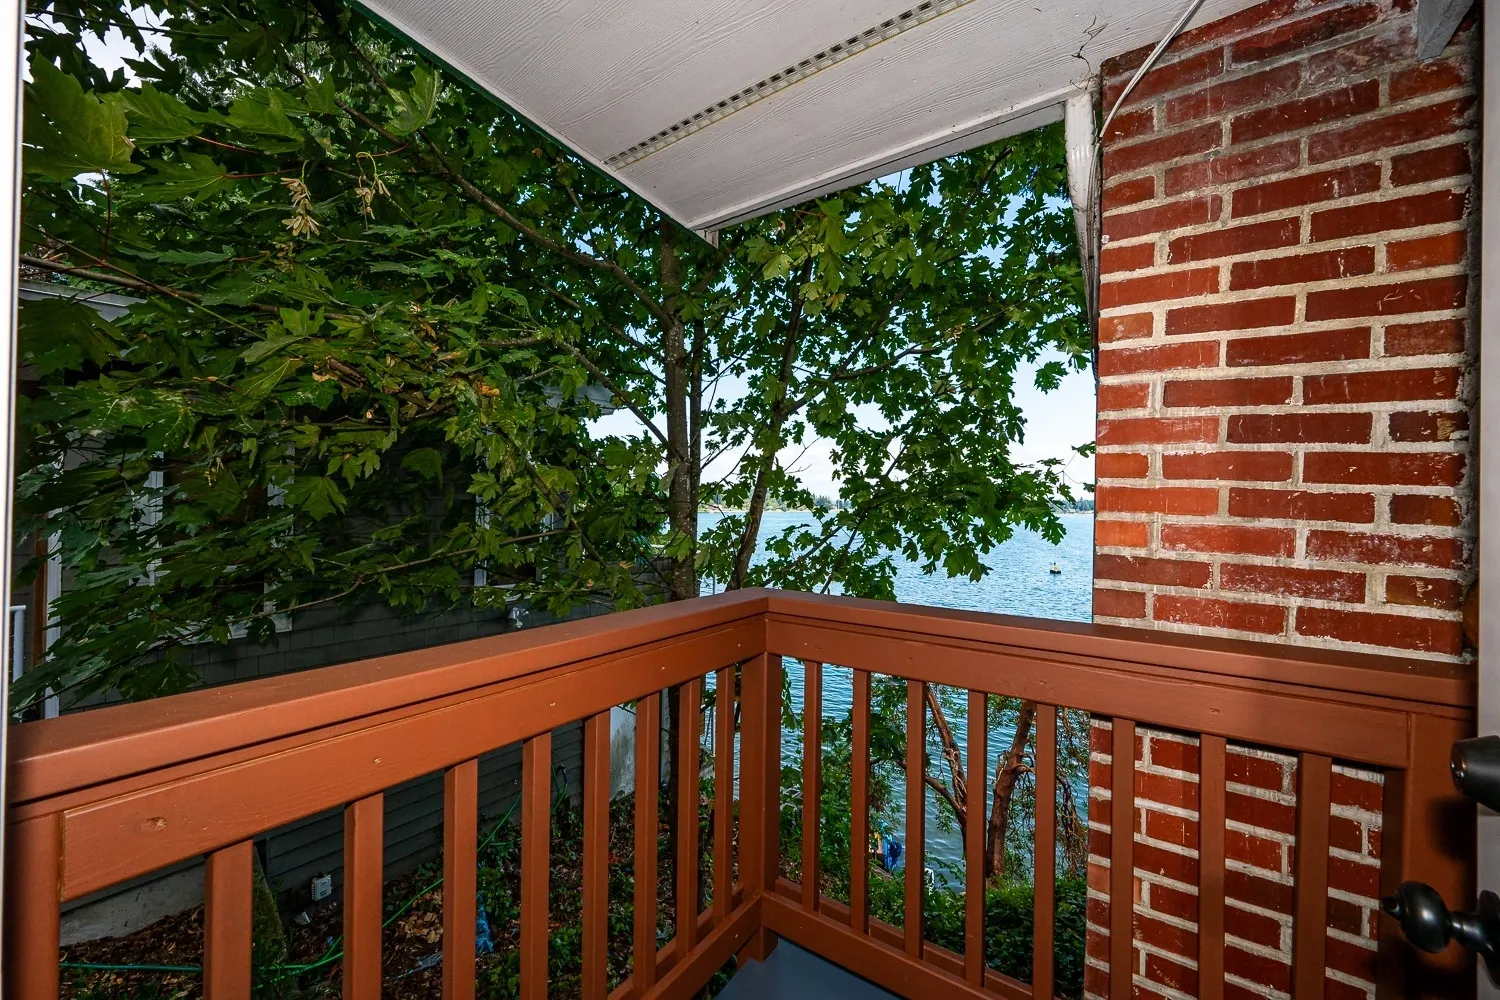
<point>1285,361</point>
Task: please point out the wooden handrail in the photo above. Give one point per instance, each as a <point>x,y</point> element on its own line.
<point>106,795</point>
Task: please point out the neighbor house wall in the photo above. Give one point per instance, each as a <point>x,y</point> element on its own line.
<point>1285,381</point>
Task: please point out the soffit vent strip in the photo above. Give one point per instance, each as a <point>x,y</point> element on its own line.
<point>830,56</point>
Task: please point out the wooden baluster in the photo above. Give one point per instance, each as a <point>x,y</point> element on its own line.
<point>723,794</point>
<point>647,791</point>
<point>33,875</point>
<point>689,771</point>
<point>1310,920</point>
<point>812,761</point>
<point>1427,835</point>
<point>364,878</point>
<point>596,789</point>
<point>977,784</point>
<point>1044,913</point>
<point>1211,779</point>
<point>1122,862</point>
<point>859,808</point>
<point>460,877</point>
<point>760,787</point>
<point>536,862</point>
<point>227,908</point>
<point>916,815</point>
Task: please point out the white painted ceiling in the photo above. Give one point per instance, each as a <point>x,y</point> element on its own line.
<point>716,111</point>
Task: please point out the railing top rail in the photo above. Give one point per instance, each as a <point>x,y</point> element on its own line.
<point>79,750</point>
<point>1328,672</point>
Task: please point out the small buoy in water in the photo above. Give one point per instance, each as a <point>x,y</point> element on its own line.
<point>1056,569</point>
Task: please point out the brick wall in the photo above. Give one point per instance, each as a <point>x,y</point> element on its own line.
<point>1284,396</point>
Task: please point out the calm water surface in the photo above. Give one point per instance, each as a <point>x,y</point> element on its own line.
<point>1019,583</point>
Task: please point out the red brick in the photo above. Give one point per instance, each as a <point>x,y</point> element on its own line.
<point>1257,891</point>
<point>1350,959</point>
<point>1166,790</point>
<point>1256,771</point>
<point>1218,98</point>
<point>1260,852</point>
<point>1110,465</point>
<point>1114,260</point>
<point>1442,250</point>
<point>1302,505</point>
<point>1427,635</point>
<point>1256,928</point>
<point>1289,581</point>
<point>1236,24</point>
<point>1388,469</point>
<point>1228,392</point>
<point>1246,314</point>
<point>1346,835</point>
<point>1361,792</point>
<point>1407,508</point>
<point>1299,269</point>
<point>1257,969</point>
<point>1381,386</point>
<point>1169,357</point>
<point>1122,534</point>
<point>1134,396</point>
<point>1299,428</point>
<point>1298,348</point>
<point>1425,79</point>
<point>1173,902</point>
<point>1366,57</point>
<point>1163,863</point>
<point>1131,192</point>
<point>1403,129</point>
<point>1235,539</point>
<point>1299,35</point>
<point>1175,976</point>
<point>1161,572</point>
<point>1389,550</point>
<point>1306,112</point>
<point>1159,287</point>
<point>1244,466</point>
<point>1431,164</point>
<point>1123,159</point>
<point>1157,430</point>
<point>1265,814</point>
<point>1119,603</point>
<point>1132,124</point>
<point>1428,426</point>
<point>1294,192</point>
<point>1444,336</point>
<point>1131,327</point>
<point>1207,612</point>
<point>1386,216</point>
<point>1162,218</point>
<point>1171,76</point>
<point>1166,827</point>
<point>1226,168</point>
<point>1426,295</point>
<point>1155,500</point>
<point>1424,592</point>
<point>1235,240</point>
<point>1177,754</point>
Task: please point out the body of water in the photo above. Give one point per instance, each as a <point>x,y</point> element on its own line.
<point>1020,582</point>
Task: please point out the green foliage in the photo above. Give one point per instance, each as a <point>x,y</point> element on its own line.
<point>371,303</point>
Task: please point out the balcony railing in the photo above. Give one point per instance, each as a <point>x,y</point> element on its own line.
<point>105,796</point>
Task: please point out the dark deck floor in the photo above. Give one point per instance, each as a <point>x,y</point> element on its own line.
<point>790,973</point>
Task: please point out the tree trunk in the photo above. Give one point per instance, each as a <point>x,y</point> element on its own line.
<point>1011,766</point>
<point>682,499</point>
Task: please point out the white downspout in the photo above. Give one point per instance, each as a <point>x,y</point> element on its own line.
<point>1083,179</point>
<point>12,65</point>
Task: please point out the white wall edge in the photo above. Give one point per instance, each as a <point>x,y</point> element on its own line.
<point>1489,450</point>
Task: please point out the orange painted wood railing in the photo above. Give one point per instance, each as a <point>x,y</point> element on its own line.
<point>105,796</point>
